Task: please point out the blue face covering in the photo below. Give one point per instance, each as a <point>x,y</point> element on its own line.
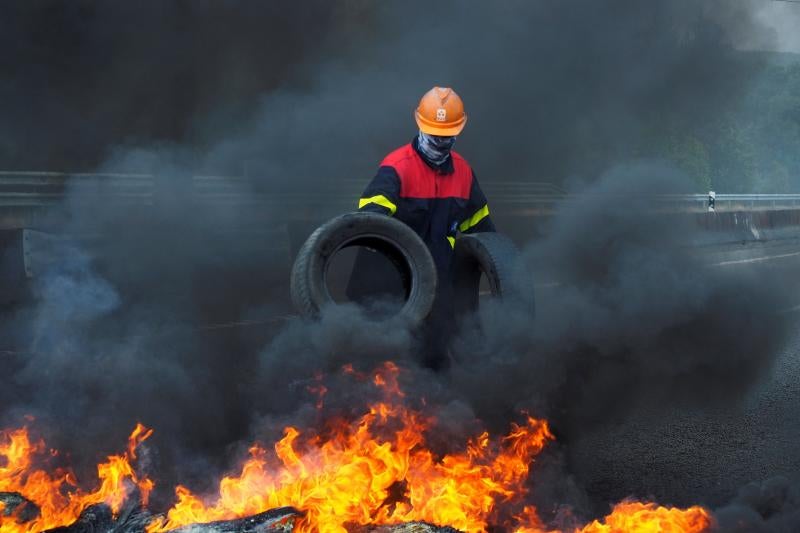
<point>435,149</point>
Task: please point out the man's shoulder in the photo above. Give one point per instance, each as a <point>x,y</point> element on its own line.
<point>399,156</point>
<point>458,158</point>
<point>460,165</point>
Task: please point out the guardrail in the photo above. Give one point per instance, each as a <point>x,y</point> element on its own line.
<point>743,202</point>
<point>33,189</point>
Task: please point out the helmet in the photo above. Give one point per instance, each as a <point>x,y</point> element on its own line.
<point>441,112</point>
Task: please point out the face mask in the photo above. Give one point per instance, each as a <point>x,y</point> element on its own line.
<point>435,149</point>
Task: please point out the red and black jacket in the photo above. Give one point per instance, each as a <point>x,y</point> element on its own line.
<point>436,202</point>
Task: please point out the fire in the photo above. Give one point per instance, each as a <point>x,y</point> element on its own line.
<point>376,469</point>
<point>58,496</point>
<point>631,517</point>
<point>346,474</point>
<point>638,517</point>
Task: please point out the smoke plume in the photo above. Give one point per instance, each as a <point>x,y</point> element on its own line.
<point>174,314</point>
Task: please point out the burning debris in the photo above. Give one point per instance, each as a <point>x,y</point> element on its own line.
<point>58,499</point>
<point>16,505</point>
<point>99,517</point>
<point>410,527</point>
<point>277,520</point>
<point>372,474</point>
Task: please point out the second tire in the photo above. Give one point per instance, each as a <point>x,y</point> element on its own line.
<point>496,257</point>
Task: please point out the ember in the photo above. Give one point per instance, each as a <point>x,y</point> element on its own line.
<point>375,473</point>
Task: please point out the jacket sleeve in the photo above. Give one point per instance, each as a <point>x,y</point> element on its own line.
<point>382,193</point>
<point>476,219</point>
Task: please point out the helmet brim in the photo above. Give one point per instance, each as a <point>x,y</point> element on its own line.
<point>440,129</point>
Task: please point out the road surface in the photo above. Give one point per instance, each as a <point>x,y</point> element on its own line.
<point>710,453</point>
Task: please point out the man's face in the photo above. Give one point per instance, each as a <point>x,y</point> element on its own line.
<point>443,144</point>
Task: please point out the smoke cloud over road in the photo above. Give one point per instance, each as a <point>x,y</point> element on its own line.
<point>323,90</point>
<point>633,326</point>
<point>298,97</point>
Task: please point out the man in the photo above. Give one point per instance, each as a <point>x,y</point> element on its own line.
<point>431,188</point>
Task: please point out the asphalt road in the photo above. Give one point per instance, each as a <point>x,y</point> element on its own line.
<point>677,455</point>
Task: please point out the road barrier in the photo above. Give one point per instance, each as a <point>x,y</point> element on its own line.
<point>26,196</point>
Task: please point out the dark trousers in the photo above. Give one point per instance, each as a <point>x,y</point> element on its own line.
<point>437,331</point>
<point>373,283</point>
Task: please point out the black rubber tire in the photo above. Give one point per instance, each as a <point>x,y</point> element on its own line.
<point>497,257</point>
<point>392,238</point>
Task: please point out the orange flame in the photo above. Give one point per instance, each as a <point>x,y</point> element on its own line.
<point>631,517</point>
<point>374,470</point>
<point>57,495</point>
<point>638,517</point>
<point>345,477</point>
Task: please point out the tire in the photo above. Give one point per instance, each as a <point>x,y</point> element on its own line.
<point>390,237</point>
<point>495,256</point>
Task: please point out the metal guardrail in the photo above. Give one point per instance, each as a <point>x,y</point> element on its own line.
<point>730,202</point>
<point>33,189</point>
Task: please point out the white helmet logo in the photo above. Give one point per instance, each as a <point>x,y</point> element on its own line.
<point>441,114</point>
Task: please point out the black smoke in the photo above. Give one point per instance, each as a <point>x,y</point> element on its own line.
<point>642,348</point>
<point>622,291</point>
<point>172,314</point>
<point>81,77</point>
<point>772,506</point>
<point>323,90</point>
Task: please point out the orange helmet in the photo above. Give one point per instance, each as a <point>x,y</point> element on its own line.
<point>441,112</point>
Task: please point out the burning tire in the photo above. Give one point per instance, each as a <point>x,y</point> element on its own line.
<point>496,257</point>
<point>390,237</point>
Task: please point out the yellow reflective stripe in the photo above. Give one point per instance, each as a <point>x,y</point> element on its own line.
<point>380,200</point>
<point>482,213</point>
<point>452,241</point>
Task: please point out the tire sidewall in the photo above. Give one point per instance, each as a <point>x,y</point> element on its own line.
<point>346,230</point>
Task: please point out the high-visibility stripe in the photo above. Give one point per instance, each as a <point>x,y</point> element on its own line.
<point>452,241</point>
<point>482,213</point>
<point>381,200</point>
